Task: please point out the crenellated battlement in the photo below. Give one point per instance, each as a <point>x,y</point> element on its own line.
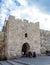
<point>22,20</point>
<point>12,19</point>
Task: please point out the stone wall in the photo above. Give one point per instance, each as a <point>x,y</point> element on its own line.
<point>45,40</point>
<point>2,46</point>
<point>15,37</point>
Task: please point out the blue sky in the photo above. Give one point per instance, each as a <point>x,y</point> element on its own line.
<point>32,10</point>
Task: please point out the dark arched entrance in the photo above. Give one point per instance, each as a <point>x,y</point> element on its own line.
<point>25,48</point>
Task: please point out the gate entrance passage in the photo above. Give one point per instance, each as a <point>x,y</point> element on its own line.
<point>25,48</point>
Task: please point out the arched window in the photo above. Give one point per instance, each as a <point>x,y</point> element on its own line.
<point>26,35</point>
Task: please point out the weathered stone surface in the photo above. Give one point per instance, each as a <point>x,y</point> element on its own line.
<point>13,37</point>
<point>2,46</point>
<point>45,40</point>
<point>16,30</point>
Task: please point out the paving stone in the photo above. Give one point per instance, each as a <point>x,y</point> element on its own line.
<point>13,63</point>
<point>45,60</point>
<point>4,63</point>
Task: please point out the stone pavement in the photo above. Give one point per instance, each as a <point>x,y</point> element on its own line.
<point>44,60</point>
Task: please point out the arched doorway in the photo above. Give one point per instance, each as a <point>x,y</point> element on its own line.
<point>25,48</point>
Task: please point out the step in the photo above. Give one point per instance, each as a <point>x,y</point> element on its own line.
<point>13,63</point>
<point>4,63</point>
<point>21,62</point>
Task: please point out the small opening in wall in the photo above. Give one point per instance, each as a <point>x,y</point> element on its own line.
<point>26,35</point>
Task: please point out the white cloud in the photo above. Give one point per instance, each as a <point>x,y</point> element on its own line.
<point>23,2</point>
<point>34,15</point>
<point>7,4</point>
<point>26,12</point>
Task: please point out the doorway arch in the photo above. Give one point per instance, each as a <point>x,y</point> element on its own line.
<point>25,48</point>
